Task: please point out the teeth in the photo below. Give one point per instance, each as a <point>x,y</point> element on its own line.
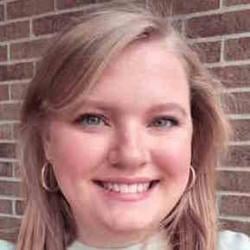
<point>132,188</point>
<point>124,188</point>
<point>116,188</point>
<point>127,188</point>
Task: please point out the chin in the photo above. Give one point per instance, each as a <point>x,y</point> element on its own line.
<point>133,224</point>
<point>136,218</point>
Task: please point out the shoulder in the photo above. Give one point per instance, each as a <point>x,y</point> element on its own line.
<point>5,245</point>
<point>229,240</point>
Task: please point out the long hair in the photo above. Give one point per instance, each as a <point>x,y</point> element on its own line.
<point>71,66</point>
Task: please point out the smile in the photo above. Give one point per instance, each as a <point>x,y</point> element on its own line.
<point>127,188</point>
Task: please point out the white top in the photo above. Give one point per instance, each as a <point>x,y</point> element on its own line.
<point>228,240</point>
<point>154,242</point>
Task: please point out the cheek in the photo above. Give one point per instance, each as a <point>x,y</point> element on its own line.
<point>77,155</point>
<point>174,159</point>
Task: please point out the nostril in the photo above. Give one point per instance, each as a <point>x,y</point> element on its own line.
<point>129,152</point>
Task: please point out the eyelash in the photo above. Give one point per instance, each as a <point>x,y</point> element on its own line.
<point>84,118</point>
<point>169,121</point>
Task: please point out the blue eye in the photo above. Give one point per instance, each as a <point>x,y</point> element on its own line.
<point>91,120</point>
<point>164,121</point>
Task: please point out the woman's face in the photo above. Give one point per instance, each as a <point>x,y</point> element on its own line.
<point>123,162</point>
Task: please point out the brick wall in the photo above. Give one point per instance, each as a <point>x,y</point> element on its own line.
<point>218,29</point>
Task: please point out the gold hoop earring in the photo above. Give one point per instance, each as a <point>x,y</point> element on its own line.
<point>193,178</point>
<point>44,176</point>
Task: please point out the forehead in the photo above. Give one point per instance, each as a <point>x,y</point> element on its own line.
<point>143,75</point>
<point>144,65</point>
<point>151,54</point>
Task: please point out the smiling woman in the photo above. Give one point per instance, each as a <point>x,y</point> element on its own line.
<point>122,151</point>
<point>113,132</point>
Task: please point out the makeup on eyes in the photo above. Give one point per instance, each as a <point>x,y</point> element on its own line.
<point>163,115</point>
<point>91,119</point>
<point>97,119</point>
<point>164,121</point>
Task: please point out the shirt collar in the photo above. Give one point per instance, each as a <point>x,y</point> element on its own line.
<point>156,242</point>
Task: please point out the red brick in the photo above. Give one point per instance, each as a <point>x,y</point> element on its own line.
<point>16,71</point>
<point>178,24</point>
<point>5,169</point>
<point>4,92</point>
<point>16,130</point>
<point>65,4</point>
<point>13,31</point>
<point>234,76</point>
<point>237,226</point>
<point>3,53</point>
<point>234,181</point>
<point>52,24</point>
<point>7,150</point>
<point>22,8</point>
<point>184,7</point>
<point>9,228</point>
<point>10,111</point>
<point>209,52</point>
<point>31,49</point>
<point>234,205</point>
<point>238,156</point>
<point>1,12</point>
<point>243,101</point>
<point>237,49</point>
<point>20,207</point>
<point>17,91</point>
<point>239,103</point>
<point>235,2</point>
<point>10,188</point>
<point>241,130</point>
<point>219,24</point>
<point>17,170</point>
<point>5,131</point>
<point>5,206</point>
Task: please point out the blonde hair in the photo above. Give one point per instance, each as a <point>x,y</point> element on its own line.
<point>72,65</point>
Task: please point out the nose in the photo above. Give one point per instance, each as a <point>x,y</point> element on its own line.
<point>130,149</point>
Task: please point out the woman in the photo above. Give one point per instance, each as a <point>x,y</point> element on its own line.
<point>113,131</point>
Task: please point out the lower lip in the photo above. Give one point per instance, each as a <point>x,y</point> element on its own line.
<point>127,197</point>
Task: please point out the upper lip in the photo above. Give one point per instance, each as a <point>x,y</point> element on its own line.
<point>127,180</point>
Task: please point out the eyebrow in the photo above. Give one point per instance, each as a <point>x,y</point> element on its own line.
<point>169,106</point>
<point>105,106</point>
